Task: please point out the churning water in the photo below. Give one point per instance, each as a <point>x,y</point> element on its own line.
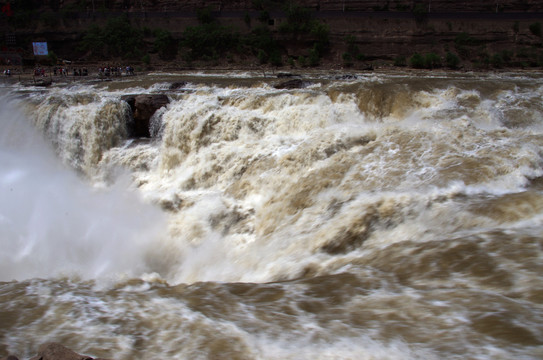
<point>393,216</point>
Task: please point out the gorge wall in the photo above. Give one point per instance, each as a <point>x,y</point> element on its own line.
<point>381,32</point>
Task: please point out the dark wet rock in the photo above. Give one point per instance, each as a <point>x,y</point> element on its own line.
<point>10,357</point>
<point>178,84</point>
<point>292,84</point>
<point>130,100</point>
<point>143,107</point>
<point>43,82</point>
<point>347,77</point>
<point>286,75</point>
<point>55,351</point>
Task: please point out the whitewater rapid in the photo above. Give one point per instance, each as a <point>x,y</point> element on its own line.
<point>382,216</point>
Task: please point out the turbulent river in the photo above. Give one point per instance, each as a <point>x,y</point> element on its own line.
<point>382,216</point>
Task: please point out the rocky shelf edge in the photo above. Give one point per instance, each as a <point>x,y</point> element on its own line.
<point>54,351</point>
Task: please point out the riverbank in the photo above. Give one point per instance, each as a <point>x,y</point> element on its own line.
<point>27,76</point>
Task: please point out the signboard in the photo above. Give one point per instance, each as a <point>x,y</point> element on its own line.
<point>40,48</point>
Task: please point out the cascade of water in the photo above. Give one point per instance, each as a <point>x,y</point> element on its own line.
<point>53,223</point>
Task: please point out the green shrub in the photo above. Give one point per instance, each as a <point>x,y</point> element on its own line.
<point>540,59</point>
<point>452,60</point>
<point>290,61</point>
<point>321,33</point>
<point>464,39</point>
<point>400,61</point>
<point>260,38</point>
<point>352,48</point>
<point>484,58</point>
<point>147,31</point>
<point>347,59</point>
<point>314,57</point>
<point>52,57</point>
<point>298,20</point>
<point>507,56</point>
<point>247,19</point>
<point>496,61</point>
<point>275,58</point>
<point>165,44</point>
<point>535,29</point>
<point>262,56</point>
<point>146,59</point>
<point>121,38</point>
<point>350,40</point>
<point>417,61</point>
<point>117,38</point>
<point>264,17</point>
<point>209,40</point>
<point>432,61</point>
<point>262,43</point>
<point>93,40</point>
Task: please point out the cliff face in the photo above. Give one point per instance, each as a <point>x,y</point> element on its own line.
<point>480,33</point>
<point>322,5</point>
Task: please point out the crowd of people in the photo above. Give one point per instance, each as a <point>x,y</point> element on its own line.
<point>39,71</point>
<point>64,71</point>
<point>104,71</point>
<point>115,70</point>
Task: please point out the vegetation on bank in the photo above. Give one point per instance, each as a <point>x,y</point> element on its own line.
<point>298,40</point>
<point>210,41</point>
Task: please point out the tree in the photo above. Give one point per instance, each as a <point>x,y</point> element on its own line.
<point>209,40</point>
<point>118,38</point>
<point>165,44</point>
<point>52,58</point>
<point>417,61</point>
<point>432,61</point>
<point>400,61</point>
<point>452,60</point>
<point>535,29</point>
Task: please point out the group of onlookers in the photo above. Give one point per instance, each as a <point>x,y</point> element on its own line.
<point>64,71</point>
<point>115,70</point>
<point>39,71</point>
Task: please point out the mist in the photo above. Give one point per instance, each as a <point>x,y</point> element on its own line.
<point>53,223</point>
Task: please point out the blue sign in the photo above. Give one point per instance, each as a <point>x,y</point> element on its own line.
<point>40,48</point>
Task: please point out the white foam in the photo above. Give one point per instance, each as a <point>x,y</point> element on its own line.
<point>58,225</point>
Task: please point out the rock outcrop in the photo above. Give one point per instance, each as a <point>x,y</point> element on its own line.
<point>10,357</point>
<point>292,84</point>
<point>55,351</point>
<point>143,108</point>
<point>177,85</point>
